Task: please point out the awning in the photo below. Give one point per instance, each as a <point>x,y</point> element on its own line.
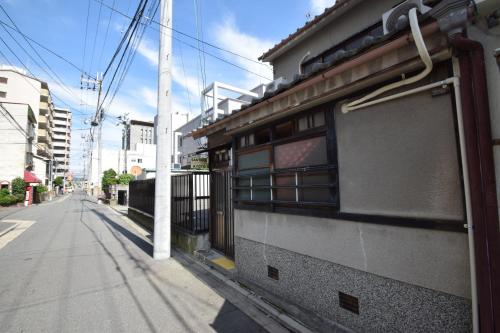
<point>30,177</point>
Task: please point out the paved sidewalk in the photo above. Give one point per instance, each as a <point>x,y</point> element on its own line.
<point>81,268</point>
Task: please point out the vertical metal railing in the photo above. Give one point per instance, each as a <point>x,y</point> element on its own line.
<point>190,200</point>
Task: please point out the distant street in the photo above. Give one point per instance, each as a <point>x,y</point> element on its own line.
<point>79,267</point>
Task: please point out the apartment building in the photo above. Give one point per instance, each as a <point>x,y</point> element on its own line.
<point>61,141</point>
<point>17,87</point>
<point>137,131</point>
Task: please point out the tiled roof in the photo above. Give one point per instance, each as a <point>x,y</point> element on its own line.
<point>305,27</point>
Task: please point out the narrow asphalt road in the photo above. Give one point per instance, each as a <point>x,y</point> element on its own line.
<point>81,268</point>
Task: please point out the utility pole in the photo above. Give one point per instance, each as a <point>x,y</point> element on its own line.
<point>93,84</point>
<point>125,121</point>
<point>164,140</point>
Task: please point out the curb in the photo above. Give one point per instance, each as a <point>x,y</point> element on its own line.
<point>284,319</point>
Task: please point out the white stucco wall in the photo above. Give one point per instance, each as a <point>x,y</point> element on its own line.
<point>21,89</point>
<point>400,159</point>
<point>13,144</point>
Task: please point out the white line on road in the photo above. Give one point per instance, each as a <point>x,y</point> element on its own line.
<point>18,229</point>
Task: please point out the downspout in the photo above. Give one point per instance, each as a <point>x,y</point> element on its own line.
<point>477,128</point>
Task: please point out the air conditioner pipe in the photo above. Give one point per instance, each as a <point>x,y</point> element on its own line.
<point>424,55</point>
<point>304,57</point>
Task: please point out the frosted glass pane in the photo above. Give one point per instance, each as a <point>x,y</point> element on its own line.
<point>301,153</point>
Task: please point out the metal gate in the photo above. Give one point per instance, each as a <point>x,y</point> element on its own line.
<point>221,222</point>
<point>190,202</point>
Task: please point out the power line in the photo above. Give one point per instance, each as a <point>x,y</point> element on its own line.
<point>85,39</point>
<point>106,34</point>
<point>56,80</point>
<point>95,38</point>
<point>134,24</point>
<point>196,48</point>
<point>135,44</point>
<point>189,36</point>
<point>61,83</point>
<point>46,49</point>
<point>27,69</point>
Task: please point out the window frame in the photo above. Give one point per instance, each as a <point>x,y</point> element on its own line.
<point>330,168</point>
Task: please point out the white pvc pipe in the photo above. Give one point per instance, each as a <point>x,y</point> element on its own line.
<point>424,55</point>
<point>455,81</point>
<point>465,171</point>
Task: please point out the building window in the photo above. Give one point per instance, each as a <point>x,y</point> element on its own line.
<point>296,168</point>
<point>3,94</point>
<point>3,79</point>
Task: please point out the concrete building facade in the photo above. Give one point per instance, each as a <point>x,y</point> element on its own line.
<point>137,131</point>
<point>18,87</point>
<point>62,141</point>
<point>186,147</point>
<point>18,144</point>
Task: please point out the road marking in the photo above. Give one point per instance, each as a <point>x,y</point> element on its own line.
<point>18,229</point>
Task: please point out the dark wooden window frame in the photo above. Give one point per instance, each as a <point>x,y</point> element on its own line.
<point>326,131</point>
<point>321,209</point>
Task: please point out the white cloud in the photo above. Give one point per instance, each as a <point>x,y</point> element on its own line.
<point>149,51</point>
<point>318,6</point>
<point>229,36</point>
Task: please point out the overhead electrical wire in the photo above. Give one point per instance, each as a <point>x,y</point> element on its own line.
<point>57,79</point>
<point>85,39</point>
<point>196,48</point>
<point>131,56</point>
<point>106,34</point>
<point>95,38</point>
<point>189,36</point>
<point>79,69</point>
<point>27,69</point>
<point>129,38</point>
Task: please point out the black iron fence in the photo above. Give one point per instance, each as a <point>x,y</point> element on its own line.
<point>190,200</point>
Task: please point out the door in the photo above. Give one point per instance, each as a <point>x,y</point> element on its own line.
<point>221,222</point>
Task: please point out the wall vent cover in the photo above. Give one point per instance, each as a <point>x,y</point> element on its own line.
<point>273,273</point>
<point>349,302</point>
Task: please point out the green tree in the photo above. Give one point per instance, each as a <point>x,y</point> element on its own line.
<point>108,179</point>
<point>58,181</point>
<point>125,178</point>
<point>18,186</point>
<point>41,189</point>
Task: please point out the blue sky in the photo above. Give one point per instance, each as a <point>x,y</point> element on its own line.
<point>245,27</point>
